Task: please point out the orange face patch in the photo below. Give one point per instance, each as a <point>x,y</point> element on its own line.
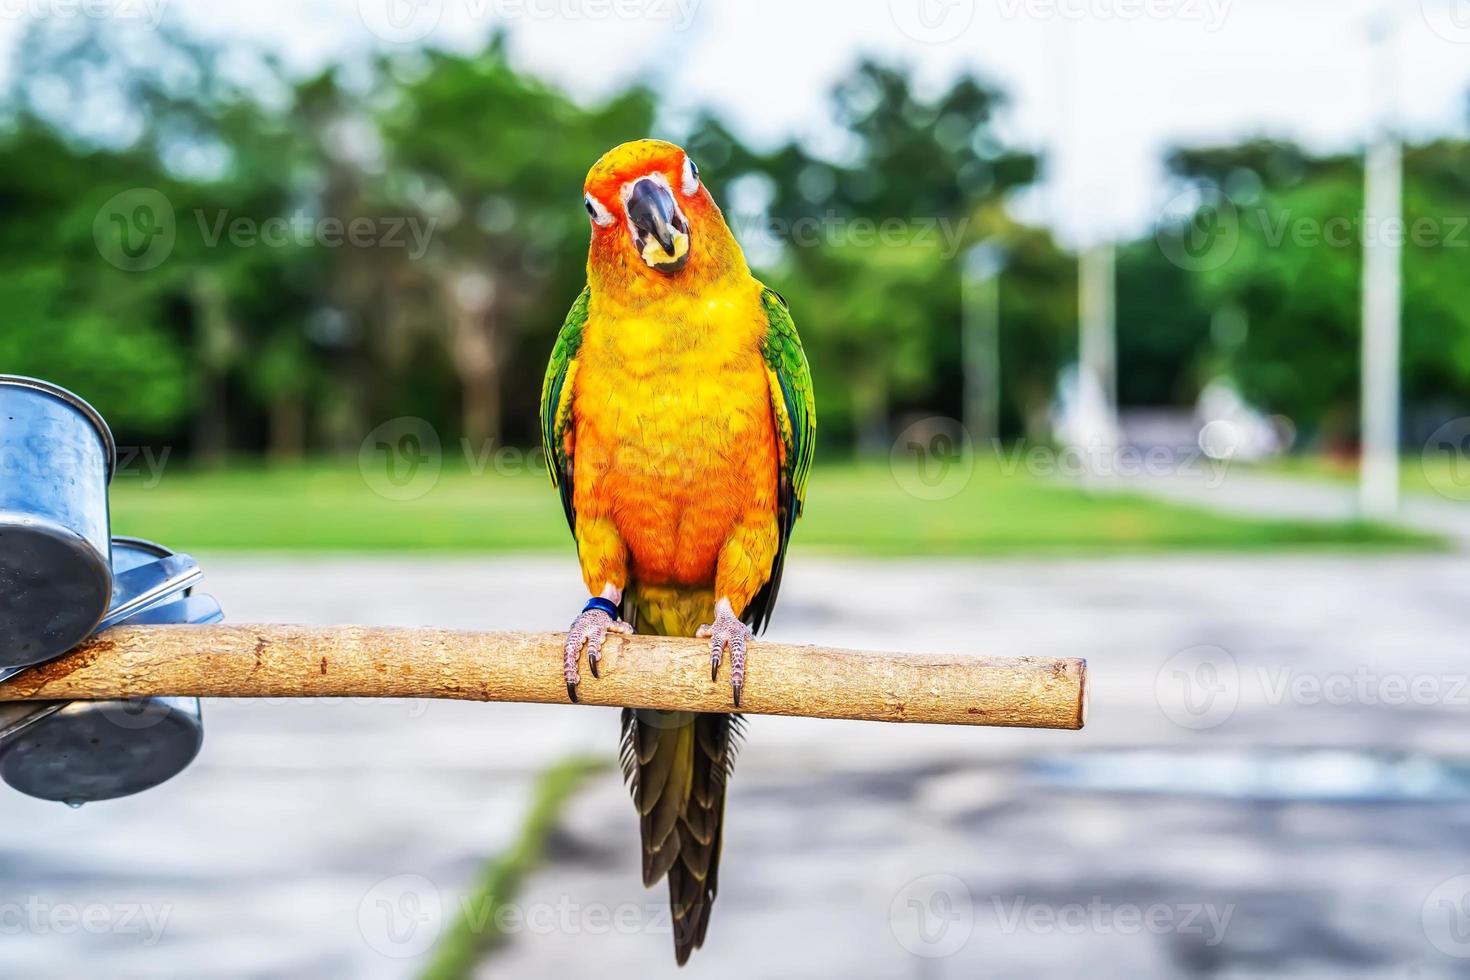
<point>626,162</point>
<point>651,218</point>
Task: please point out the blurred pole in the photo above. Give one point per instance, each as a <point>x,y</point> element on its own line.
<point>1097,311</point>
<point>1382,288</point>
<point>980,343</point>
<point>1096,409</point>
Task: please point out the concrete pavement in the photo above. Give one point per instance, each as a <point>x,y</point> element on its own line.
<point>1273,783</point>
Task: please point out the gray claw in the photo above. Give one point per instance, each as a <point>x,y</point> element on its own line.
<point>588,630</point>
<point>727,632</point>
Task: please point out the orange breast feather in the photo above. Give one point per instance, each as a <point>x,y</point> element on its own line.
<point>674,440</point>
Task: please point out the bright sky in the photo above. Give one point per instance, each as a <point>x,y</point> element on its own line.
<point>1102,85</point>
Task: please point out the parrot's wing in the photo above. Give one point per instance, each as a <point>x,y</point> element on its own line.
<point>556,404</point>
<point>794,406</point>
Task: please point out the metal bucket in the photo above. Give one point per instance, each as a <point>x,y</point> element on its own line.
<point>85,751</point>
<point>56,460</point>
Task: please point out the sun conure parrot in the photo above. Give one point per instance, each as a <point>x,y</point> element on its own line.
<point>679,424</point>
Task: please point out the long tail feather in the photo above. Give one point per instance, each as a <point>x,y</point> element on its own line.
<point>677,765</point>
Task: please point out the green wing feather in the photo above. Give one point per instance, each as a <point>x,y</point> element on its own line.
<point>794,406</point>
<point>556,404</point>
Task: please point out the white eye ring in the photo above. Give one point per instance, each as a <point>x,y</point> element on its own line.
<point>600,215</point>
<point>691,177</point>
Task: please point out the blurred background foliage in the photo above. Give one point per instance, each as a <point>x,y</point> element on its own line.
<point>234,347</point>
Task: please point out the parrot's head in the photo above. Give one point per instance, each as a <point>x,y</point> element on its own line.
<point>654,225</point>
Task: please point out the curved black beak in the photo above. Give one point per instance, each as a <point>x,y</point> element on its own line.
<point>654,214</point>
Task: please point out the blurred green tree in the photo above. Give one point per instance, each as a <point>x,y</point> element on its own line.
<point>496,160</point>
<point>1292,276</point>
<point>234,341</point>
<point>869,247</point>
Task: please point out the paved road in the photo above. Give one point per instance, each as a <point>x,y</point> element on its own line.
<point>1275,781</point>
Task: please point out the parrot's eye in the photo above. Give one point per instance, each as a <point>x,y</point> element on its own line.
<point>691,177</point>
<point>600,215</point>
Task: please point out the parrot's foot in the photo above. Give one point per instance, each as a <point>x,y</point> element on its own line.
<point>590,629</point>
<point>727,632</point>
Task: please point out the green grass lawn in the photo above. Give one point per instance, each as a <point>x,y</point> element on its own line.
<point>855,509</point>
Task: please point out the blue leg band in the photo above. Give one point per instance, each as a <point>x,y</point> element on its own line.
<point>606,605</point>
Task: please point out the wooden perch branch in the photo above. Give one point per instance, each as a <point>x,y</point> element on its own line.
<point>241,661</point>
